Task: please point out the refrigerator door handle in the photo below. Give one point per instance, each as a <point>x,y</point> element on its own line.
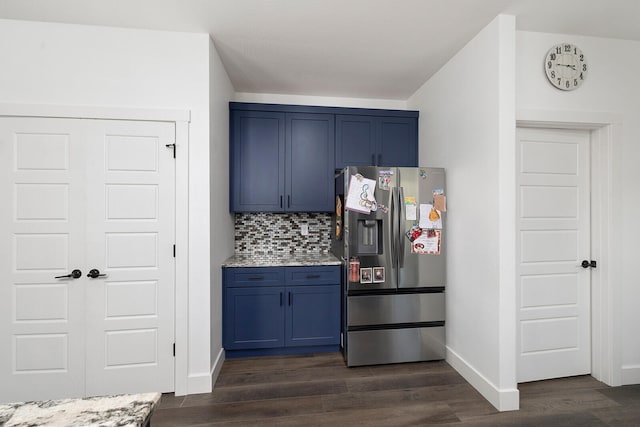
<point>392,227</point>
<point>401,230</point>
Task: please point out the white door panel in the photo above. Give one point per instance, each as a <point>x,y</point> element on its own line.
<point>130,239</point>
<point>85,194</point>
<point>553,238</point>
<point>41,237</point>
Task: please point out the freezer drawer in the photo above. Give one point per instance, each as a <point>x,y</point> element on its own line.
<point>395,346</point>
<point>365,310</point>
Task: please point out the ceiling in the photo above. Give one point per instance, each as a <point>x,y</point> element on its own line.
<point>383,49</point>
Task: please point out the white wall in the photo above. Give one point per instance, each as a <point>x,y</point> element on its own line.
<point>63,64</point>
<point>467,126</point>
<point>611,87</point>
<point>222,237</point>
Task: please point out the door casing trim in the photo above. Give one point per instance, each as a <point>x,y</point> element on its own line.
<point>606,130</point>
<point>181,119</point>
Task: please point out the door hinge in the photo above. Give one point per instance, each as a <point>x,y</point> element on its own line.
<point>174,251</point>
<point>174,149</point>
<point>174,349</point>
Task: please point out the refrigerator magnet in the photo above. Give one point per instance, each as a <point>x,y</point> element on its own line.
<point>365,275</point>
<point>384,179</point>
<point>378,274</point>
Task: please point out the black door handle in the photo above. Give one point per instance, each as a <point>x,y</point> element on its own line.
<point>94,273</point>
<point>75,274</point>
<point>587,264</point>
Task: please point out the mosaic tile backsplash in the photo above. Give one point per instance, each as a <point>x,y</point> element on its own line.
<point>279,233</point>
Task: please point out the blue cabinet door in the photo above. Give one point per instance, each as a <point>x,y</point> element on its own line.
<point>355,140</point>
<point>397,142</point>
<point>313,315</point>
<point>254,318</point>
<point>257,161</point>
<point>309,162</point>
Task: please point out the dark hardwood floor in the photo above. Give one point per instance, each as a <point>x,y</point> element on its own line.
<point>318,390</point>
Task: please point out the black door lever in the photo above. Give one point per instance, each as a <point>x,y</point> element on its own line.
<point>94,273</point>
<point>587,264</point>
<point>75,274</point>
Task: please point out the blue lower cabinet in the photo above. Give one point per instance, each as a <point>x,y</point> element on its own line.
<point>298,314</point>
<point>254,318</point>
<point>307,321</point>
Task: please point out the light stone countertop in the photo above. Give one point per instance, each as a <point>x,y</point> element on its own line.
<point>130,410</point>
<point>282,260</point>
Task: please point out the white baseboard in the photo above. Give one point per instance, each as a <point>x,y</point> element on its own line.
<point>199,383</point>
<point>217,366</point>
<point>630,374</point>
<point>503,400</point>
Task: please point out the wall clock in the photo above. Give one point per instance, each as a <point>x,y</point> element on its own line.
<point>566,66</point>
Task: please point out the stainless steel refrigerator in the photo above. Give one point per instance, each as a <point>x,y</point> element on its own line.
<point>389,231</point>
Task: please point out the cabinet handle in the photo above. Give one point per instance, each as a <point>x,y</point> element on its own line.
<point>281,299</point>
<point>280,201</point>
<point>288,201</point>
<point>253,279</point>
<point>313,276</point>
<point>289,298</point>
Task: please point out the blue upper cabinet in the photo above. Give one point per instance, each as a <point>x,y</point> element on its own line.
<point>355,141</point>
<point>309,162</point>
<point>376,140</point>
<point>397,141</point>
<point>257,161</point>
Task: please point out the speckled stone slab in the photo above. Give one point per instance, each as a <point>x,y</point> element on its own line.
<point>279,260</point>
<point>131,410</point>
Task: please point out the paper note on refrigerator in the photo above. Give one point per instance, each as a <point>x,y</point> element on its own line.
<point>360,197</point>
<point>427,243</point>
<point>440,202</point>
<point>430,217</point>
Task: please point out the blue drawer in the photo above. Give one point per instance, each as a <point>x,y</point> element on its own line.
<point>313,275</point>
<point>254,276</point>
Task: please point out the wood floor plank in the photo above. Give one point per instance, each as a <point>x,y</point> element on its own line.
<point>389,382</point>
<point>246,412</point>
<point>266,391</point>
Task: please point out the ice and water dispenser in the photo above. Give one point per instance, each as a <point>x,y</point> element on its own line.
<point>368,237</point>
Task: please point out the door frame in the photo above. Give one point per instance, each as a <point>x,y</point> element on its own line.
<point>605,130</point>
<point>181,119</point>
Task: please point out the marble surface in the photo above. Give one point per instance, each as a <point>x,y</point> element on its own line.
<point>281,260</point>
<point>130,410</point>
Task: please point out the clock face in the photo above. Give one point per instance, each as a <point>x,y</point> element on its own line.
<point>566,66</point>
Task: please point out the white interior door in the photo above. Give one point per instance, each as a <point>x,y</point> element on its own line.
<point>553,212</point>
<point>84,194</point>
<point>42,234</point>
<point>130,237</point>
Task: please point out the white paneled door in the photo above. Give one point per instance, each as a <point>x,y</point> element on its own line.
<point>83,195</point>
<point>553,217</point>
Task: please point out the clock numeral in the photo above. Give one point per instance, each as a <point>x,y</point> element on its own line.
<point>575,50</point>
<point>567,85</point>
<point>567,48</point>
<point>558,50</point>
<point>584,67</point>
<point>553,74</point>
<point>552,56</point>
<point>549,64</point>
<point>582,57</point>
<point>575,82</point>
<point>559,80</point>
<point>581,76</point>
